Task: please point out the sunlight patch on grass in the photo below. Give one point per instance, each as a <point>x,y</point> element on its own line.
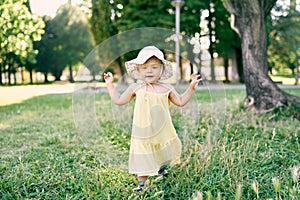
<point>4,126</point>
<point>17,94</point>
<point>283,80</point>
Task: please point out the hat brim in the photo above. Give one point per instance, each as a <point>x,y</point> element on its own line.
<point>132,69</point>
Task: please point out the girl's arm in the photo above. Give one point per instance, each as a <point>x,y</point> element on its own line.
<point>181,100</point>
<point>116,97</point>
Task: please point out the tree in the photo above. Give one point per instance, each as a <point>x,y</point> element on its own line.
<point>47,54</point>
<point>103,26</point>
<point>19,28</point>
<point>30,66</point>
<point>190,26</point>
<point>248,19</point>
<point>134,15</point>
<point>73,39</point>
<point>228,43</point>
<point>145,13</point>
<point>30,60</point>
<point>284,31</point>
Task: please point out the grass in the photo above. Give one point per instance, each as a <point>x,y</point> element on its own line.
<point>226,155</point>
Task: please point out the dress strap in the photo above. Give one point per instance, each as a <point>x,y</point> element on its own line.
<point>166,86</point>
<point>140,85</point>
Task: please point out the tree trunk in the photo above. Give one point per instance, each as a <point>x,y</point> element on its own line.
<point>190,56</point>
<point>71,74</point>
<point>211,49</point>
<point>57,74</point>
<point>226,66</point>
<point>293,71</point>
<point>240,67</point>
<point>192,68</point>
<point>122,70</point>
<point>15,78</point>
<point>259,86</point>
<point>1,82</point>
<point>46,77</point>
<point>182,72</point>
<point>22,74</point>
<point>262,93</point>
<point>31,78</point>
<point>235,75</point>
<point>9,76</point>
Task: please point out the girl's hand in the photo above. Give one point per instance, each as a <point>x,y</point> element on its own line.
<point>108,77</point>
<point>196,78</point>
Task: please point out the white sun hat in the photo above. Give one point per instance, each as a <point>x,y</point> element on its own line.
<point>146,53</point>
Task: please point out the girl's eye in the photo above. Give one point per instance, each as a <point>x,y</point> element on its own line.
<point>155,66</point>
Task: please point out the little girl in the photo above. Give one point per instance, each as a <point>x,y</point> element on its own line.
<point>154,142</point>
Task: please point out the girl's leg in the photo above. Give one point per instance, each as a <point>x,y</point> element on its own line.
<point>142,180</point>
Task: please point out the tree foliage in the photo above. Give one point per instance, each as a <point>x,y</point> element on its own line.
<point>103,26</point>
<point>111,17</point>
<point>47,56</point>
<point>19,28</point>
<point>284,34</point>
<point>225,36</point>
<point>133,14</point>
<point>102,23</point>
<point>72,36</point>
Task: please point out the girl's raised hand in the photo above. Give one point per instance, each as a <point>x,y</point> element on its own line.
<point>108,77</point>
<point>196,78</point>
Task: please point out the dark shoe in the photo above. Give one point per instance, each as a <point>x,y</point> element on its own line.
<point>163,172</point>
<point>140,187</point>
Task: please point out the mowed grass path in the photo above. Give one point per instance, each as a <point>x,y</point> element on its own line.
<point>234,155</point>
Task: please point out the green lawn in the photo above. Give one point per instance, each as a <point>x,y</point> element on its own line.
<point>227,152</point>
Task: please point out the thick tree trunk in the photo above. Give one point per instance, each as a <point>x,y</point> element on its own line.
<point>262,93</point>
<point>259,86</point>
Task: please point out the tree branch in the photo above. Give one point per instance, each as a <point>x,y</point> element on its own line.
<point>232,24</point>
<point>228,4</point>
<point>267,6</point>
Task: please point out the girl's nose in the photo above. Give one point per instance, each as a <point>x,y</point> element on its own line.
<point>149,69</point>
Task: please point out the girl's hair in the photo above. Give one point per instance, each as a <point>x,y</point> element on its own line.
<point>154,57</point>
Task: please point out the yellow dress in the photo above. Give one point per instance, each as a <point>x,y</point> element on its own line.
<point>154,142</point>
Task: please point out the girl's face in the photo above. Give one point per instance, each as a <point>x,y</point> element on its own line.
<point>151,70</point>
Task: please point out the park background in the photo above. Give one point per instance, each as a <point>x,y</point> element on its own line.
<point>240,155</point>
<point>42,48</point>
